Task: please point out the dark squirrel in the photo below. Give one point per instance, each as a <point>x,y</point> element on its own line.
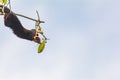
<point>11,21</point>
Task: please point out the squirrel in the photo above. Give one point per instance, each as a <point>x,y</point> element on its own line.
<point>12,21</point>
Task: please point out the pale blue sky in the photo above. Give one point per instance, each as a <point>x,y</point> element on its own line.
<point>84,41</point>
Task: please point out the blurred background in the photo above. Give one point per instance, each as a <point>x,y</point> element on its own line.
<point>84,41</point>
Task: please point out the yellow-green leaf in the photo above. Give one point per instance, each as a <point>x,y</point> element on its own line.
<point>4,2</point>
<point>41,47</point>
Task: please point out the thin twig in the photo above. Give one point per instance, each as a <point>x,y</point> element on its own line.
<point>26,17</point>
<point>29,18</point>
<point>38,15</point>
<point>9,5</point>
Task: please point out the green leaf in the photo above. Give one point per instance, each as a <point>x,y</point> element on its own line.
<point>4,2</point>
<point>41,47</point>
